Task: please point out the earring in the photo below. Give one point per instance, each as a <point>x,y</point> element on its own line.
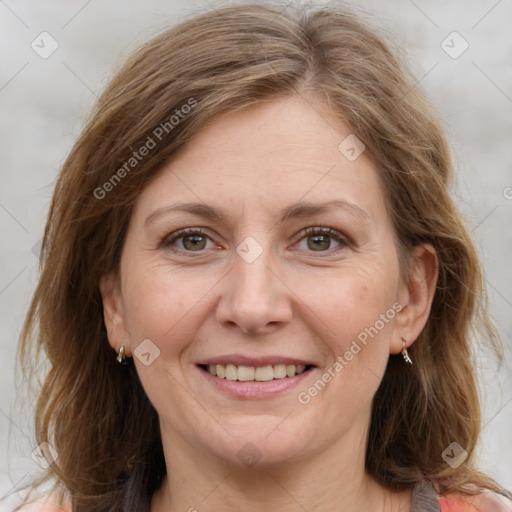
<point>405,354</point>
<point>121,358</point>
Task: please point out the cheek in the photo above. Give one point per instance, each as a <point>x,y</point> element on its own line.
<point>356,322</point>
<point>167,309</point>
<point>164,306</point>
<point>349,305</point>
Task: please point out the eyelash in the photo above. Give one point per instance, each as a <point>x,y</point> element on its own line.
<point>319,230</point>
<point>169,240</point>
<point>182,233</point>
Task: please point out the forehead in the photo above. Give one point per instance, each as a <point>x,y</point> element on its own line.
<point>271,153</point>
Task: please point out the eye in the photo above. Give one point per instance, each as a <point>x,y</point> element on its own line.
<point>319,239</point>
<point>188,239</point>
<point>316,239</point>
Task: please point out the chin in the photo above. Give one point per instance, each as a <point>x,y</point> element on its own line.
<point>263,444</point>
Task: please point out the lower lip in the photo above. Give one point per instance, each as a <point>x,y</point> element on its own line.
<point>254,389</point>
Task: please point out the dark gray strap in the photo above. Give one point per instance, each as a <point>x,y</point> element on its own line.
<point>424,498</point>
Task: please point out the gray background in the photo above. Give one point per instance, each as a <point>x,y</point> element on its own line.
<point>43,103</point>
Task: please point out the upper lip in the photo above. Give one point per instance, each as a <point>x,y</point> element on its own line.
<point>241,360</point>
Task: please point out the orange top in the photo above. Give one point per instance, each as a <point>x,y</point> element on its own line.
<point>486,501</point>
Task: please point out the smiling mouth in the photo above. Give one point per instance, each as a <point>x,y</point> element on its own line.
<point>255,373</point>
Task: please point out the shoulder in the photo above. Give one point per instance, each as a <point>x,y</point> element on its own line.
<point>486,501</point>
<point>45,506</point>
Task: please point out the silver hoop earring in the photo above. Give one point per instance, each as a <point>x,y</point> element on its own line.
<point>405,354</point>
<point>121,357</point>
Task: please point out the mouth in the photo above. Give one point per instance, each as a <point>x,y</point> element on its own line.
<point>257,377</point>
<point>265,373</point>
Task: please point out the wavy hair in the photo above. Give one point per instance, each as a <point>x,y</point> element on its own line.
<point>96,413</point>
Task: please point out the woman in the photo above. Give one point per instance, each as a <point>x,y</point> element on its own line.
<point>256,290</point>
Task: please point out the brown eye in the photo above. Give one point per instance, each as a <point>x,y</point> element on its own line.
<point>320,239</point>
<point>194,242</point>
<point>188,239</point>
<point>319,242</point>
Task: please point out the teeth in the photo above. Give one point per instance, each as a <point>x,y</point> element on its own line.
<point>221,370</point>
<point>279,371</point>
<point>264,373</point>
<point>246,373</point>
<point>259,373</point>
<point>231,372</point>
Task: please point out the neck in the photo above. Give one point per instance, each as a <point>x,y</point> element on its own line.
<point>329,479</point>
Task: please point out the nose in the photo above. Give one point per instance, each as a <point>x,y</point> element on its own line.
<point>254,299</point>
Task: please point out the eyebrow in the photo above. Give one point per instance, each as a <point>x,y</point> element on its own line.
<point>294,211</point>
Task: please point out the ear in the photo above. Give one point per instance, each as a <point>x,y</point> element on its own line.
<point>416,297</point>
<point>113,313</point>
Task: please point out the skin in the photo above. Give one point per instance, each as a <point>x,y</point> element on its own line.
<point>293,300</point>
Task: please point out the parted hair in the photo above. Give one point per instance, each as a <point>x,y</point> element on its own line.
<point>95,412</point>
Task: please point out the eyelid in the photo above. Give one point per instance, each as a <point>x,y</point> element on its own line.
<point>324,230</point>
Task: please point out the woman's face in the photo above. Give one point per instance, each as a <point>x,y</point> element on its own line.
<point>289,260</point>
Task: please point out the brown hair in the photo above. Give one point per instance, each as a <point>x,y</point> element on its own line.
<point>95,412</point>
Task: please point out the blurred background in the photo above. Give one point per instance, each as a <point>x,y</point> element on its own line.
<point>56,57</point>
